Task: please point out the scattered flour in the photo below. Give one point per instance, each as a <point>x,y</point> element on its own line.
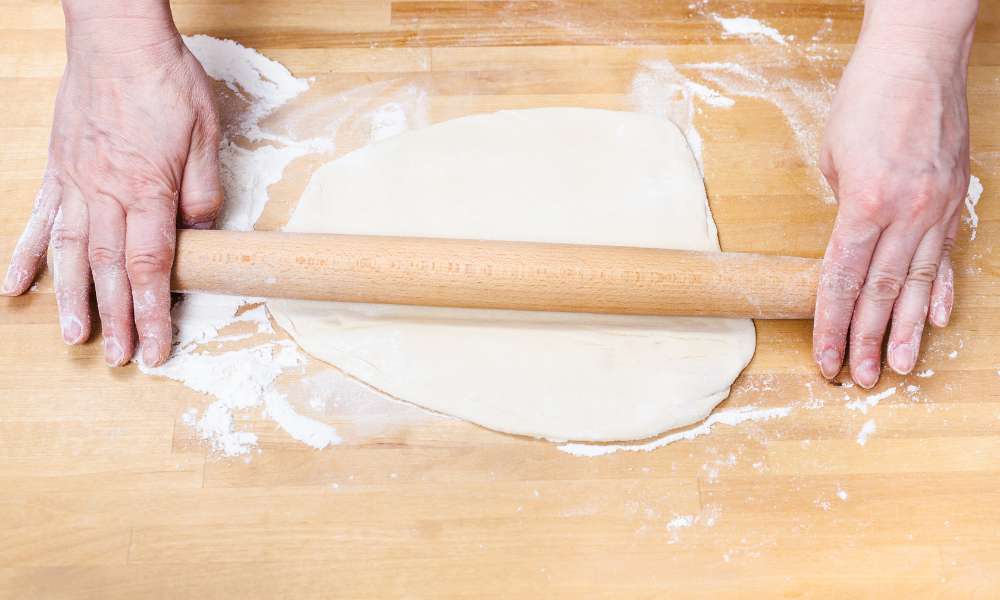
<point>708,517</point>
<point>749,28</point>
<point>732,417</point>
<point>681,521</point>
<point>822,504</point>
<point>313,433</point>
<point>971,200</point>
<point>661,90</point>
<point>926,373</point>
<point>264,83</point>
<point>866,431</point>
<point>871,401</point>
<point>804,101</point>
<point>676,524</point>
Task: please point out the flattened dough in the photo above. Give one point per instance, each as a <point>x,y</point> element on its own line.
<point>550,175</point>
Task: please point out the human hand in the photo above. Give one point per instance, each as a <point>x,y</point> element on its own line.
<point>896,154</point>
<point>133,152</point>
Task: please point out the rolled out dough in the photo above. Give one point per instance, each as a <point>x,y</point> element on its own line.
<point>552,175</point>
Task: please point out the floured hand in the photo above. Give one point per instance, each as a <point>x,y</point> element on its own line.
<point>133,152</point>
<point>896,153</point>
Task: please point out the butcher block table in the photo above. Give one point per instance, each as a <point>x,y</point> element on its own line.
<point>107,492</point>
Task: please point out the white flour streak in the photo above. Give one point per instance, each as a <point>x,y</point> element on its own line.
<point>265,84</point>
<point>866,431</point>
<point>246,175</point>
<point>804,105</point>
<point>308,431</point>
<point>803,101</point>
<point>747,27</point>
<point>971,200</point>
<point>871,401</point>
<point>732,417</point>
<point>926,373</point>
<point>708,95</point>
<point>731,67</point>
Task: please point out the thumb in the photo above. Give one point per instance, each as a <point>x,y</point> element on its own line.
<point>201,188</point>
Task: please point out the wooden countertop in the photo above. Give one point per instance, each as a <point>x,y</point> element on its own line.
<point>106,493</point>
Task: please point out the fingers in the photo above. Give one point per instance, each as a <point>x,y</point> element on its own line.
<point>149,256</point>
<point>201,189</point>
<point>943,290</point>
<point>71,268</point>
<point>106,249</point>
<point>30,248</point>
<point>886,276</point>
<point>910,311</point>
<point>844,267</point>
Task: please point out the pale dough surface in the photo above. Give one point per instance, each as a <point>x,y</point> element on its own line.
<point>551,175</point>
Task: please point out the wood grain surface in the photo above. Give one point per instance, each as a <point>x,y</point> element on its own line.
<point>105,491</point>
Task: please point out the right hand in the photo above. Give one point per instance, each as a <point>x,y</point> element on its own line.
<point>896,154</point>
<point>133,153</point>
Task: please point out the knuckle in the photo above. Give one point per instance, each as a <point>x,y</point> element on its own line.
<point>882,287</point>
<point>143,266</point>
<point>151,192</point>
<point>112,316</point>
<point>104,257</point>
<point>67,237</point>
<point>829,330</point>
<point>868,207</point>
<point>866,339</point>
<point>923,203</point>
<point>922,273</point>
<point>949,245</point>
<point>840,281</point>
<point>202,206</point>
<point>865,199</point>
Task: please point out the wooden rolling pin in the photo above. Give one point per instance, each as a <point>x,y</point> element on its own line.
<point>493,274</point>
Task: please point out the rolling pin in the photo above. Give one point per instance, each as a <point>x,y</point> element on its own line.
<point>495,274</point>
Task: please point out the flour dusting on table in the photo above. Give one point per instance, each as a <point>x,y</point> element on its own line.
<point>749,27</point>
<point>731,417</point>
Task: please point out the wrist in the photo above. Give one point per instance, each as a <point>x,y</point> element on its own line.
<point>78,11</point>
<point>120,37</point>
<point>937,32</point>
<point>117,26</point>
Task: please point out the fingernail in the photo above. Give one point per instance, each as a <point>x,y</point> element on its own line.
<point>72,329</point>
<point>829,363</point>
<point>866,375</point>
<point>10,281</point>
<point>902,357</point>
<point>941,314</point>
<point>150,353</point>
<point>114,354</point>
